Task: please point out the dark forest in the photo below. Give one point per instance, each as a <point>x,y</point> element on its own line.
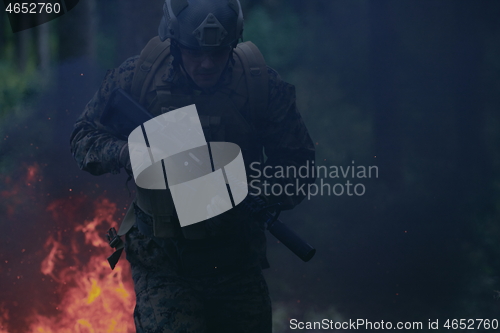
<point>411,87</point>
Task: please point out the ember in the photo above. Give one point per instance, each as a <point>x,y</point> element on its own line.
<point>94,298</point>
<point>89,297</point>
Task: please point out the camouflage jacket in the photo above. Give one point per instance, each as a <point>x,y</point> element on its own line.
<point>283,132</point>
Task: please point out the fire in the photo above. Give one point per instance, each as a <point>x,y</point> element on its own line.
<point>33,171</point>
<point>14,194</point>
<point>48,262</point>
<point>75,290</point>
<point>94,298</point>
<point>4,317</point>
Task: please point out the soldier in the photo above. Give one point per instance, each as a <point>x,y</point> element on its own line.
<point>206,277</point>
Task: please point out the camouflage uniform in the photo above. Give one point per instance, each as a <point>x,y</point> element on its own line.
<point>178,285</point>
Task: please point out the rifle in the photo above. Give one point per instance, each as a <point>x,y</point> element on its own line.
<point>288,237</point>
<point>123,114</point>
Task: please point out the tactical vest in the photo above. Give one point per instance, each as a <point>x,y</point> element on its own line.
<point>229,114</point>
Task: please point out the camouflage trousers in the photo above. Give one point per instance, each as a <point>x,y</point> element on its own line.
<point>233,299</point>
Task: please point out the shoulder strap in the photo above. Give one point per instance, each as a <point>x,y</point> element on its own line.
<point>149,61</point>
<point>256,77</point>
<point>253,63</point>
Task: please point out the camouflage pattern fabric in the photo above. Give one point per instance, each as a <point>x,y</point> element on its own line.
<point>283,131</point>
<point>170,295</point>
<point>93,147</point>
<point>229,301</point>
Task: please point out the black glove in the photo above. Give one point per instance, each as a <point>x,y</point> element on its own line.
<point>124,160</point>
<point>252,204</point>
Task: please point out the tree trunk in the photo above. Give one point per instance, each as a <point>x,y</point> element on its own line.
<point>22,47</point>
<point>77,31</point>
<point>384,70</point>
<point>4,29</point>
<point>43,46</point>
<point>473,156</point>
<point>138,22</point>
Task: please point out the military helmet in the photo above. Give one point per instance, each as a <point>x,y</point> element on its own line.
<point>202,23</point>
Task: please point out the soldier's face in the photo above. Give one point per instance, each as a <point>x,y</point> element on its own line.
<point>205,67</point>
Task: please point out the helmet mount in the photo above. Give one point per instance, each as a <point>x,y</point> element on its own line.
<point>202,23</point>
<point>210,32</point>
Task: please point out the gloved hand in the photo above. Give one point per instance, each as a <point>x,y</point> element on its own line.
<point>252,204</point>
<point>124,159</point>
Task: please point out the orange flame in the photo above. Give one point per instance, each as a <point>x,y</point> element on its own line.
<point>94,299</point>
<point>17,193</point>
<point>4,317</point>
<point>33,171</point>
<point>90,296</point>
<point>48,263</point>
